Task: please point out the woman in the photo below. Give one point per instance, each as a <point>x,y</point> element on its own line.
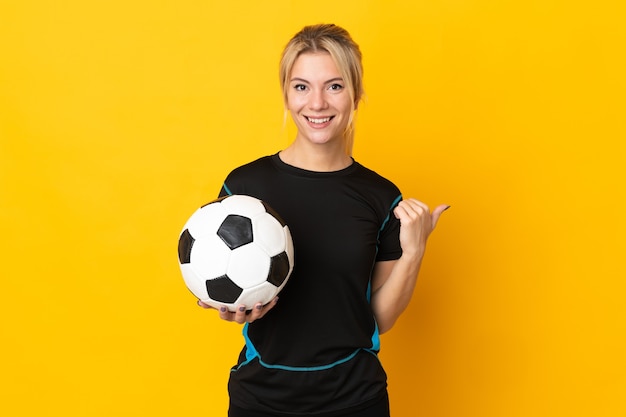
<point>358,249</point>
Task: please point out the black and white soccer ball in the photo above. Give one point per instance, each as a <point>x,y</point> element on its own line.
<point>235,251</point>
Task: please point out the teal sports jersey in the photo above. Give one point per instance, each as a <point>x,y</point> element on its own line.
<point>315,352</point>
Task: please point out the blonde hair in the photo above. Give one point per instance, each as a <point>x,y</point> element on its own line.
<point>346,54</point>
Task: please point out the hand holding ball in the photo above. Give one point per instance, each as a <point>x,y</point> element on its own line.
<point>235,251</point>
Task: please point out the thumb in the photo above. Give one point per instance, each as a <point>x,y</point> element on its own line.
<point>202,304</point>
<point>437,213</point>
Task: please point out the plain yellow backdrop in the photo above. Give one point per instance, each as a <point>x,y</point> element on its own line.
<point>119,118</point>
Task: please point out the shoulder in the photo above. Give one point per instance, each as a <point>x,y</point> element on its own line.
<point>375,180</point>
<point>260,164</point>
<point>250,177</point>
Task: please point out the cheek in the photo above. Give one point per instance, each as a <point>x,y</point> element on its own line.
<point>294,103</point>
<point>341,101</point>
<point>344,107</point>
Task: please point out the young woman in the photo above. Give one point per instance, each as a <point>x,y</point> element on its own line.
<point>358,249</point>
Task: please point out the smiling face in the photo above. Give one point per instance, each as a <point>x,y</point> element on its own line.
<point>318,100</point>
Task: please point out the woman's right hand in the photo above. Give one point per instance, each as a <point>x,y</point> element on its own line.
<point>242,315</point>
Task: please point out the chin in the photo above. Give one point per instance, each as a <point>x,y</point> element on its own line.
<point>323,141</point>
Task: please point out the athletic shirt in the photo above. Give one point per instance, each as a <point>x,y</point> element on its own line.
<point>315,352</point>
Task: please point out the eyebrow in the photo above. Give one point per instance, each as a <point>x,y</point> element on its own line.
<point>308,82</point>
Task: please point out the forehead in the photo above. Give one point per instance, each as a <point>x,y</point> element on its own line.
<point>312,66</point>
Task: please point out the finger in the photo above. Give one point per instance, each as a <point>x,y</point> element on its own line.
<point>225,314</point>
<point>437,213</point>
<point>410,209</point>
<point>203,304</point>
<point>416,204</point>
<point>258,313</point>
<point>255,313</point>
<point>240,314</point>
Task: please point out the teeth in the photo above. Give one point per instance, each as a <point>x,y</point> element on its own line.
<point>324,120</point>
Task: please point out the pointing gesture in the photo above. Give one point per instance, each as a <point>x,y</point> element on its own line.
<point>416,224</point>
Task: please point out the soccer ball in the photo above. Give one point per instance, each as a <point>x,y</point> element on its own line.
<point>235,251</point>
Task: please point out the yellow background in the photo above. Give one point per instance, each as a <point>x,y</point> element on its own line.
<point>119,118</point>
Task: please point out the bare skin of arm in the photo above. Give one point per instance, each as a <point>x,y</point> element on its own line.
<point>393,282</point>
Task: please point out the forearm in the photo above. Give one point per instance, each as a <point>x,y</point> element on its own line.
<point>394,281</point>
<point>391,298</point>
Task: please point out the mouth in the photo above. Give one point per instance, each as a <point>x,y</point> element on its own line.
<point>319,120</point>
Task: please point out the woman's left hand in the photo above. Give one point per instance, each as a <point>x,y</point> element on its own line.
<point>416,224</point>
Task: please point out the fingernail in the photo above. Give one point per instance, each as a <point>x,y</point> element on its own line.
<point>223,309</point>
<point>259,306</point>
<point>446,208</point>
<point>242,309</point>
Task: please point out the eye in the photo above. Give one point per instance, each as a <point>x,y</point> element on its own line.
<point>335,87</point>
<point>300,87</point>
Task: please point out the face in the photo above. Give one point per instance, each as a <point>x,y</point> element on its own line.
<point>318,99</point>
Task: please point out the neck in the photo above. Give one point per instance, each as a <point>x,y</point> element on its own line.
<point>316,158</point>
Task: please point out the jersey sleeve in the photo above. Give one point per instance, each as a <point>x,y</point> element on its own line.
<point>246,179</point>
<point>233,184</point>
<point>224,191</point>
<point>389,237</point>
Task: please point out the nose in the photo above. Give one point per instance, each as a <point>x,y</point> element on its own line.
<point>317,100</point>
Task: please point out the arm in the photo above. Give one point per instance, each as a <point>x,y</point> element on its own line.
<point>393,282</point>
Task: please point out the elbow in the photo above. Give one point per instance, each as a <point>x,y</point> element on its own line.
<point>385,325</point>
<point>384,316</point>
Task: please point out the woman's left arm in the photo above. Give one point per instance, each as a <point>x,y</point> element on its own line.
<point>393,281</point>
